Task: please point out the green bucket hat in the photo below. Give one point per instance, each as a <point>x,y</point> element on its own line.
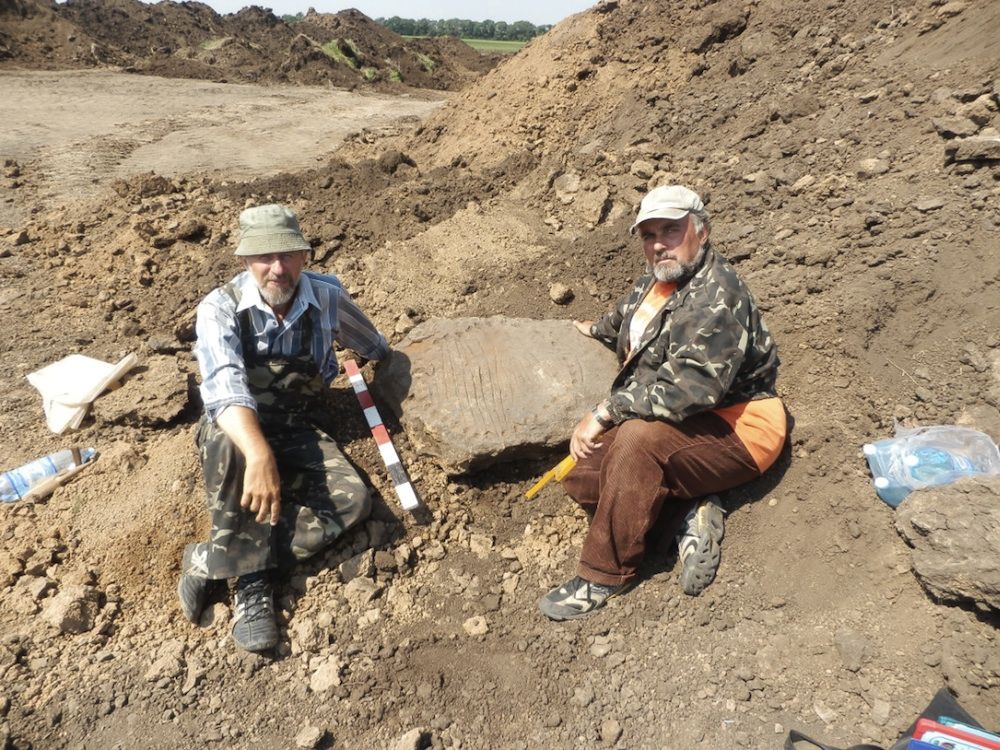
<point>269,229</point>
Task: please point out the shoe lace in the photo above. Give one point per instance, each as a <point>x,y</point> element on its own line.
<point>255,599</point>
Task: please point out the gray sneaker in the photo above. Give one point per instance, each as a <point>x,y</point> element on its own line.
<point>254,628</point>
<point>698,545</point>
<point>193,593</point>
<point>578,597</point>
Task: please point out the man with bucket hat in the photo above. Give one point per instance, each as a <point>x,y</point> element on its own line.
<point>693,410</point>
<point>278,486</point>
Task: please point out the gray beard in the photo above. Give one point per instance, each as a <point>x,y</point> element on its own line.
<point>278,297</point>
<point>679,271</point>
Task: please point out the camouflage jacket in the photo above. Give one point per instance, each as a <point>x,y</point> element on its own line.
<point>707,348</point>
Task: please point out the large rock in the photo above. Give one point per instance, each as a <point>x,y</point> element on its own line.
<point>474,391</point>
<point>955,534</point>
<point>982,148</point>
<point>952,127</point>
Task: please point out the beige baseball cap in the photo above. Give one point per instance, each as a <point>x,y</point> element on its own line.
<point>269,229</point>
<point>667,202</point>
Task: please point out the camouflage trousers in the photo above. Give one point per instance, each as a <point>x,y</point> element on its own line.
<point>321,497</point>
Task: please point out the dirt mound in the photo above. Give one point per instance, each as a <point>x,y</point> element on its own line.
<point>190,40</point>
<point>377,52</point>
<point>36,32</point>
<point>453,59</point>
<point>140,29</point>
<point>817,132</point>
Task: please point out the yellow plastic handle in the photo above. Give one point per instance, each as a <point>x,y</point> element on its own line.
<point>558,473</point>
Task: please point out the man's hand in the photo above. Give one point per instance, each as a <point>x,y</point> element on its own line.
<point>262,489</point>
<point>585,435</point>
<point>261,484</point>
<point>584,326</point>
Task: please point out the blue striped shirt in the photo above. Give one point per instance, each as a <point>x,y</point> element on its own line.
<point>335,318</point>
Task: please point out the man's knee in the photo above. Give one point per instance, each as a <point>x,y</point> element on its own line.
<point>638,437</point>
<point>352,499</point>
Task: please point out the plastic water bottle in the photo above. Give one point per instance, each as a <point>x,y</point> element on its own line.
<point>928,457</point>
<point>16,483</point>
<point>890,492</point>
<point>935,466</point>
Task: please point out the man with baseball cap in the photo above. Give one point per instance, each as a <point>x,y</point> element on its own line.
<point>278,486</point>
<point>693,410</point>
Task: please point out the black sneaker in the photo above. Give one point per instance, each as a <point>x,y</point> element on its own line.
<point>699,545</point>
<point>578,597</point>
<point>254,628</point>
<point>193,593</point>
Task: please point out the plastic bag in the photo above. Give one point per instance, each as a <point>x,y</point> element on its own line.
<point>927,457</point>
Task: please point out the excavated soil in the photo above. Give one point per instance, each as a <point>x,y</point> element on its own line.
<point>190,40</point>
<point>816,131</point>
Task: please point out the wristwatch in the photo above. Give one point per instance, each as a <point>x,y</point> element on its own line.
<point>607,424</point>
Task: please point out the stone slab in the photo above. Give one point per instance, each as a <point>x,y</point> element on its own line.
<point>474,391</point>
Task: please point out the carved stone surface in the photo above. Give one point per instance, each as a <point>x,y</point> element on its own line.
<point>474,391</point>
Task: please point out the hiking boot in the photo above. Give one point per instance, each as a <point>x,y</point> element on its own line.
<point>193,593</point>
<point>577,597</point>
<point>254,628</point>
<point>698,546</point>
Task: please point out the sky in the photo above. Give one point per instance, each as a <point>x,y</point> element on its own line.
<point>538,13</point>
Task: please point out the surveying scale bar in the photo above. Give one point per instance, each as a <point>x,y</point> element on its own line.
<point>401,482</point>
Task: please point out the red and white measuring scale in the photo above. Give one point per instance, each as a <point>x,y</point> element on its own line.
<point>404,489</point>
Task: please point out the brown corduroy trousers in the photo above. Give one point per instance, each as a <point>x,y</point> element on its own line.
<point>641,464</point>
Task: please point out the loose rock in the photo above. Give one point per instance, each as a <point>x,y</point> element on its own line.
<point>415,739</point>
<point>326,675</point>
<point>611,731</point>
<point>954,550</point>
<point>73,610</point>
<point>872,167</point>
<point>309,737</point>
<point>476,626</point>
<point>560,294</point>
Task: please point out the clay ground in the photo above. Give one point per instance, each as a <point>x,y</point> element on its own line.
<point>815,132</point>
<point>75,131</point>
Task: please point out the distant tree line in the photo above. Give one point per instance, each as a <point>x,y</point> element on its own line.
<point>520,31</point>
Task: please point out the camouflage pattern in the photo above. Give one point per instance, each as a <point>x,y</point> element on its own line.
<point>707,348</point>
<point>322,495</point>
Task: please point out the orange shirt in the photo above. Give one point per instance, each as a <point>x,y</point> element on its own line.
<point>651,304</point>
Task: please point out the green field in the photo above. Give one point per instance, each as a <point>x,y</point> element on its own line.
<point>487,45</point>
<point>495,45</point>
